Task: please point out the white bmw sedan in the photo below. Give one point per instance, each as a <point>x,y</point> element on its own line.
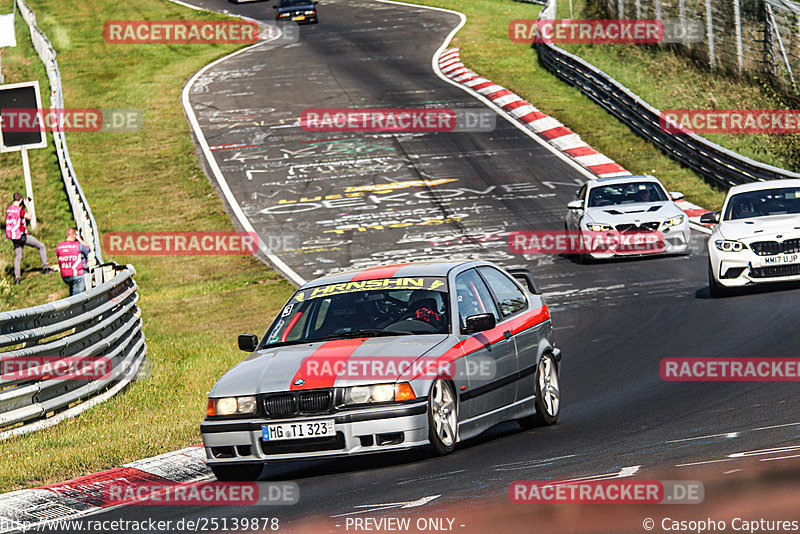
<point>757,236</point>
<point>621,208</point>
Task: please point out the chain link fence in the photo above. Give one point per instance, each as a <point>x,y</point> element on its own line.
<point>760,37</point>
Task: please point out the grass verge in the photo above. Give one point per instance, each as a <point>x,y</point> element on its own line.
<point>486,49</point>
<point>192,306</point>
<point>668,79</point>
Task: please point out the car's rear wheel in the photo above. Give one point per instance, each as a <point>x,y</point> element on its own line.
<point>715,289</point>
<point>442,417</point>
<point>237,473</point>
<point>547,395</point>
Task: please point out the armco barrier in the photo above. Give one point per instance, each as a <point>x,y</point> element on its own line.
<point>81,212</point>
<point>715,163</point>
<point>101,322</point>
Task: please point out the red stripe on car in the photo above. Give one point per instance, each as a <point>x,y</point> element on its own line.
<point>316,371</point>
<point>481,340</point>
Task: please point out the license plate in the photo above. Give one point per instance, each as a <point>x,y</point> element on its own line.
<point>781,259</point>
<point>297,430</point>
<point>301,17</point>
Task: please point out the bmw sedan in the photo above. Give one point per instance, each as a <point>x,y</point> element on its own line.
<point>757,236</point>
<point>632,215</point>
<point>387,359</point>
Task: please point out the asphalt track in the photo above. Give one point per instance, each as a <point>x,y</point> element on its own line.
<point>614,321</point>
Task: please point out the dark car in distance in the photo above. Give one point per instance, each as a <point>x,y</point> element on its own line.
<point>297,11</point>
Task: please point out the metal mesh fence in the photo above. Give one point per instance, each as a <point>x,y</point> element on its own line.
<point>759,37</point>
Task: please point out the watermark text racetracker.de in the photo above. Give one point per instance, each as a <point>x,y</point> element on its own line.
<point>585,242</point>
<point>607,492</point>
<point>648,31</point>
<point>389,368</point>
<point>64,120</point>
<point>730,369</point>
<point>211,243</point>
<point>180,32</point>
<point>770,121</point>
<point>41,368</point>
<point>398,120</point>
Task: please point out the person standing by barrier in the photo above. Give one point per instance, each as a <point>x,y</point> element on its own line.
<point>17,232</point>
<point>73,256</point>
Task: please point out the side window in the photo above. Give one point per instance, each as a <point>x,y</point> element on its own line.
<point>510,297</point>
<point>473,296</point>
<point>582,193</point>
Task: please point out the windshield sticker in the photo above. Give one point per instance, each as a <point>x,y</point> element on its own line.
<point>434,284</point>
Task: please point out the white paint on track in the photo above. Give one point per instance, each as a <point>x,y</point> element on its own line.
<point>475,94</point>
<point>223,184</point>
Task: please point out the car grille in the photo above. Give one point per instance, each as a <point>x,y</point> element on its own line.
<point>776,271</point>
<point>302,402</point>
<point>771,248</point>
<point>315,401</point>
<point>644,227</point>
<point>332,443</point>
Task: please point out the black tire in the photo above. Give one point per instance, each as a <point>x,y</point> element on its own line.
<point>237,473</point>
<point>438,445</point>
<point>546,413</point>
<point>715,289</point>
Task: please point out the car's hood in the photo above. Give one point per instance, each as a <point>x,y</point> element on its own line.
<point>631,213</point>
<point>761,228</point>
<point>281,368</point>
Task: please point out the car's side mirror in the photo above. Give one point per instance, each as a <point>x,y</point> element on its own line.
<point>479,323</point>
<point>248,342</point>
<point>274,7</point>
<point>676,195</point>
<point>712,217</point>
<point>575,205</point>
<point>526,277</point>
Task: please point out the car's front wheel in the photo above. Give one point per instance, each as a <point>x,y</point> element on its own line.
<point>715,289</point>
<point>442,418</point>
<point>547,395</point>
<point>237,473</point>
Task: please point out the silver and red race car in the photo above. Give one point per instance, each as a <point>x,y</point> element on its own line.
<point>386,359</point>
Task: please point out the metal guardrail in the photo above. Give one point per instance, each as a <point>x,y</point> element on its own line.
<point>715,163</point>
<point>101,322</point>
<point>81,212</point>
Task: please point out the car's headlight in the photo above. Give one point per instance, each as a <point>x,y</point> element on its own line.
<point>284,15</point>
<point>675,221</point>
<point>231,406</point>
<point>599,227</point>
<point>729,246</point>
<point>379,393</point>
<point>310,12</point>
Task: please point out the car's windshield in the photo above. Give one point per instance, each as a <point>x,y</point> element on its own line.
<point>625,193</point>
<point>290,3</point>
<point>368,308</point>
<point>779,201</point>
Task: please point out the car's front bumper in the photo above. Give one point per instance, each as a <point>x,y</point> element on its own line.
<point>362,431</point>
<point>674,240</point>
<point>739,269</point>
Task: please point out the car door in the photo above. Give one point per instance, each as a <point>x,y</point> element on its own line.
<point>518,316</point>
<point>491,359</point>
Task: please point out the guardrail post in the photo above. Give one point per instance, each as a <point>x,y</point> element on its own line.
<point>712,60</point>
<point>737,15</point>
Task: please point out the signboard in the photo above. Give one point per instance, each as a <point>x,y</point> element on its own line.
<point>14,98</point>
<point>7,35</point>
